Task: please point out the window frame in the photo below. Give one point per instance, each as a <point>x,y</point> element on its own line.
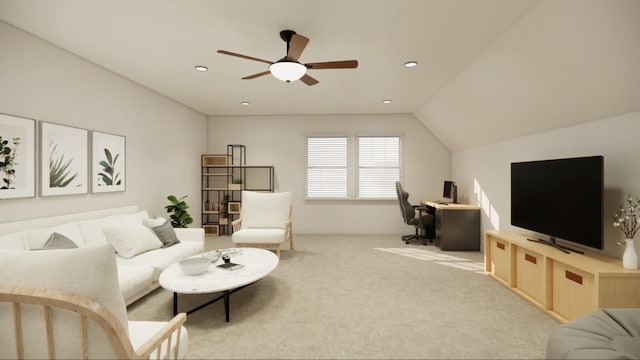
<point>353,166</point>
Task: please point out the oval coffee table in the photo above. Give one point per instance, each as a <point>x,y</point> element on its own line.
<point>256,264</point>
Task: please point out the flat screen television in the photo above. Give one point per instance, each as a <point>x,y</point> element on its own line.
<point>560,198</point>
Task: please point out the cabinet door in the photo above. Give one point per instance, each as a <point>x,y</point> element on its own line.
<point>573,291</point>
<point>500,256</point>
<point>530,274</point>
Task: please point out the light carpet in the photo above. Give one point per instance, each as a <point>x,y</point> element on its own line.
<point>362,297</point>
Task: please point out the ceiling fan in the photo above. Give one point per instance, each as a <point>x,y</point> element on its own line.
<point>289,68</point>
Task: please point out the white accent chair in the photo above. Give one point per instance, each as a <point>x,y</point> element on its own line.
<point>265,221</point>
<point>66,304</point>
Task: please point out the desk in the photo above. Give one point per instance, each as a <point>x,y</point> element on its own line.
<point>457,225</point>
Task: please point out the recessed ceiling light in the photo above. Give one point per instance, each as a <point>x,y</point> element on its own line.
<point>410,64</point>
<point>201,68</point>
<point>245,103</point>
<point>387,101</point>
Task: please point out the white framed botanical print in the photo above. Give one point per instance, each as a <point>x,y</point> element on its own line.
<point>63,159</point>
<point>108,162</point>
<point>17,157</point>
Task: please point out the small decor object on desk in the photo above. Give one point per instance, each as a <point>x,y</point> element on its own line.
<point>627,219</point>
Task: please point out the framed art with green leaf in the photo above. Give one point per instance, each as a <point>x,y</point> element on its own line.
<point>108,162</point>
<point>63,159</point>
<point>17,157</point>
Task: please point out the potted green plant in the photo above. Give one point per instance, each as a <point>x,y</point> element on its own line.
<point>178,213</point>
<point>224,210</point>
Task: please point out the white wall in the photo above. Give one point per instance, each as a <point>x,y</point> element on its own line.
<point>164,139</point>
<point>281,141</point>
<point>616,138</point>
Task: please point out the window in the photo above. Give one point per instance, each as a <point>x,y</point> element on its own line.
<point>379,166</point>
<point>327,167</point>
<point>353,167</point>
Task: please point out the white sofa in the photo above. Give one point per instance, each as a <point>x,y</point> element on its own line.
<point>138,269</point>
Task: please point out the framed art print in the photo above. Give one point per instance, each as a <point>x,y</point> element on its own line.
<point>63,159</point>
<point>17,157</point>
<point>108,162</point>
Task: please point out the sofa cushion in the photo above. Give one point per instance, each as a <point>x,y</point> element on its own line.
<point>133,219</point>
<point>134,280</point>
<point>37,237</point>
<point>166,234</point>
<point>132,240</point>
<point>258,236</point>
<point>15,241</point>
<point>160,259</point>
<point>265,210</point>
<point>86,271</point>
<point>91,230</point>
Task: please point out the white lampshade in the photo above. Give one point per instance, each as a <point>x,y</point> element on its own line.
<point>288,71</point>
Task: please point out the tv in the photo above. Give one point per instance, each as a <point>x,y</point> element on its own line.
<point>450,191</point>
<point>560,198</point>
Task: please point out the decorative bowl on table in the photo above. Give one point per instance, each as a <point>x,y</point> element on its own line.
<point>194,266</point>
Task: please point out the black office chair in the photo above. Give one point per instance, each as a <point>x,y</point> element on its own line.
<point>416,216</point>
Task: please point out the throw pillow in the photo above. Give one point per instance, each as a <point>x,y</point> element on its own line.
<point>15,241</point>
<point>92,229</point>
<point>133,219</point>
<point>59,241</point>
<point>151,223</point>
<point>37,237</point>
<point>166,234</point>
<point>129,241</point>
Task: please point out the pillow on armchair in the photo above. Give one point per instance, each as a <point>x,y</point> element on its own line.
<point>86,271</point>
<point>265,210</point>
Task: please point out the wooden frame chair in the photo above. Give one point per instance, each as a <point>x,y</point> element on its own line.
<point>264,222</point>
<point>164,343</point>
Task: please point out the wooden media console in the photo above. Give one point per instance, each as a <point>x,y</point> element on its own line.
<point>566,286</point>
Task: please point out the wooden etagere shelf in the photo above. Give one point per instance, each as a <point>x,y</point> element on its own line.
<point>224,176</point>
<point>566,286</point>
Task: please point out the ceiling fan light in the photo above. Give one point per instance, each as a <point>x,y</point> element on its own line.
<point>287,70</point>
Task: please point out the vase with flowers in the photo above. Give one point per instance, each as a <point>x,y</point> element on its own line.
<point>627,219</point>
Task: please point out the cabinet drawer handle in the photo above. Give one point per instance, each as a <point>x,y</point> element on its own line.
<point>531,259</point>
<point>573,277</point>
<point>500,246</point>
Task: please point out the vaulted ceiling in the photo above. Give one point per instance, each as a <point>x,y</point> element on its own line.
<point>488,70</point>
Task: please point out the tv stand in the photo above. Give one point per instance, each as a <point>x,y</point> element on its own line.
<point>565,286</point>
<point>552,242</point>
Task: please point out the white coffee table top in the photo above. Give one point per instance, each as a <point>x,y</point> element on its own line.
<point>258,263</point>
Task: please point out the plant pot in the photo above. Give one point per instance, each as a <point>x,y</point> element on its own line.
<point>235,186</point>
<point>630,257</point>
<point>223,221</point>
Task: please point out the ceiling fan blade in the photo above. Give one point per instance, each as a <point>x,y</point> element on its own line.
<point>345,64</point>
<point>243,56</point>
<point>256,75</point>
<point>308,80</point>
<point>296,46</point>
